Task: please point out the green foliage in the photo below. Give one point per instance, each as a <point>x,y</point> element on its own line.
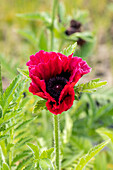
<point>87,36</point>
<point>5,167</point>
<point>91,86</point>
<point>47,153</point>
<point>45,164</point>
<point>23,72</point>
<point>41,160</point>
<point>69,50</point>
<point>43,42</point>
<point>24,163</point>
<point>12,123</point>
<point>36,16</point>
<point>34,149</point>
<point>24,123</point>
<point>40,105</point>
<point>1,91</point>
<point>85,159</point>
<point>3,137</point>
<point>8,94</point>
<point>105,132</point>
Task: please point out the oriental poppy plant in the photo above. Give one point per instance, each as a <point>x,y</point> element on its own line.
<point>53,76</point>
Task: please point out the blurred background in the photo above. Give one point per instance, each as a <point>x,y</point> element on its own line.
<point>15,47</point>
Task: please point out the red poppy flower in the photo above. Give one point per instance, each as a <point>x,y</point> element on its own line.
<point>53,77</point>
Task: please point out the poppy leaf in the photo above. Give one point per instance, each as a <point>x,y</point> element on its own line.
<point>46,164</point>
<point>69,50</point>
<point>36,16</point>
<point>5,166</point>
<point>47,153</point>
<point>91,86</point>
<point>93,151</point>
<point>23,72</point>
<point>34,149</point>
<point>40,105</point>
<point>105,132</point>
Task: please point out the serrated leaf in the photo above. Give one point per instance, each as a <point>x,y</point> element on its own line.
<point>24,163</point>
<point>47,153</point>
<point>23,72</point>
<point>69,50</point>
<point>8,94</point>
<point>5,166</point>
<point>24,123</point>
<point>20,156</point>
<point>29,167</point>
<point>90,86</point>
<point>36,16</point>
<point>103,110</point>
<point>9,116</point>
<point>85,159</point>
<point>40,105</point>
<point>9,128</point>
<point>106,132</point>
<point>22,142</point>
<point>71,159</point>
<point>87,36</point>
<point>2,137</point>
<point>46,164</point>
<point>9,146</point>
<point>34,149</point>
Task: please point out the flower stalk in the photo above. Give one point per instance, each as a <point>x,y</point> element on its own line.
<point>57,141</point>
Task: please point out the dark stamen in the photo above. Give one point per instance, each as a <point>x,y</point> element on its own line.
<point>65,74</point>
<point>55,85</point>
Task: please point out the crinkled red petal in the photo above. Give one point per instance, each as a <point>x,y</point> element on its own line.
<point>65,101</point>
<point>65,61</point>
<point>47,70</point>
<point>41,57</point>
<point>78,68</point>
<point>36,91</point>
<point>37,87</point>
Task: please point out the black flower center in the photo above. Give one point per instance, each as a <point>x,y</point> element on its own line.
<point>55,85</point>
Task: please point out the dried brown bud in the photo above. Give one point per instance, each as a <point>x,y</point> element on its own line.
<point>75,24</point>
<point>81,42</point>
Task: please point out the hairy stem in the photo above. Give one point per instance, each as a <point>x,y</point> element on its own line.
<point>1,91</point>
<point>55,3</point>
<point>57,141</point>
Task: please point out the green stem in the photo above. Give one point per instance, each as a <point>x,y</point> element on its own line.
<point>1,90</point>
<point>55,3</point>
<point>57,141</point>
